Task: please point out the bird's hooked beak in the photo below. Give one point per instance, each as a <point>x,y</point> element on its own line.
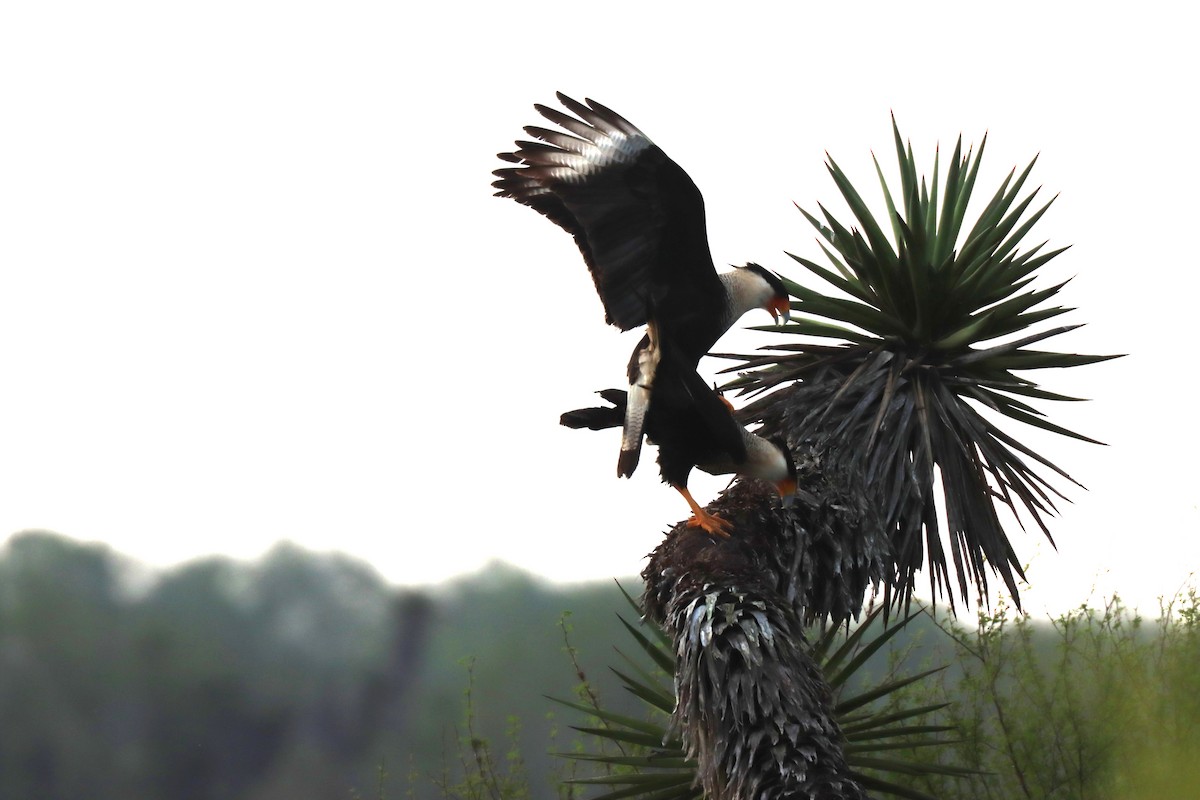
<point>781,309</point>
<point>721,396</point>
<point>787,491</point>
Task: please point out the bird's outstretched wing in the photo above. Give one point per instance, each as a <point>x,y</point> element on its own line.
<point>636,216</point>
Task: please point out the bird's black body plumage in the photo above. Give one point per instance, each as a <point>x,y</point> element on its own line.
<point>688,421</point>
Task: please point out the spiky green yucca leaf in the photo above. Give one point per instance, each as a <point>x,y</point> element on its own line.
<point>927,370</point>
<point>653,766</point>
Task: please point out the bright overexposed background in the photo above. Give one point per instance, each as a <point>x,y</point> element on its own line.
<point>254,285</point>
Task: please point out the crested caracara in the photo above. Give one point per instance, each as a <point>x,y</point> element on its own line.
<point>638,220</point>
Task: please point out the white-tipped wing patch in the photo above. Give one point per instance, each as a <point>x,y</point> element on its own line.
<point>599,177</point>
<point>591,151</point>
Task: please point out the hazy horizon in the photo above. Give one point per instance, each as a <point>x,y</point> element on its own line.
<point>255,285</point>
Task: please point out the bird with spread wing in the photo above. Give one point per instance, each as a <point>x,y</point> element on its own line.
<point>638,220</point>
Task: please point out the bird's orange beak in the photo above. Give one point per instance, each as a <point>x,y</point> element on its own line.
<point>781,309</point>
<point>787,491</point>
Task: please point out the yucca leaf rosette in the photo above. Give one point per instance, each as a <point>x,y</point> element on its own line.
<point>916,370</point>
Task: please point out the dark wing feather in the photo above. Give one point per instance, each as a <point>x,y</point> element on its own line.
<point>723,434</point>
<point>598,418</point>
<point>636,216</point>
<point>689,422</point>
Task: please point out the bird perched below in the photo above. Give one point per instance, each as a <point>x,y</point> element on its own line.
<point>693,426</point>
<point>638,220</point>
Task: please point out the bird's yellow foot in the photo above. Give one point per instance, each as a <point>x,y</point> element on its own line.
<point>711,523</point>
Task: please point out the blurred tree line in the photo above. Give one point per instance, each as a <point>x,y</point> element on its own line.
<point>298,676</point>
<point>305,675</point>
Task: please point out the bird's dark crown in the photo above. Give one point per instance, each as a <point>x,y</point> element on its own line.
<point>770,277</point>
<point>781,443</point>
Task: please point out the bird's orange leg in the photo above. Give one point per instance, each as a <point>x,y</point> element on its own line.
<point>723,399</point>
<point>702,519</point>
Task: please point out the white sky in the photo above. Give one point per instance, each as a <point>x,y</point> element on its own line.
<point>254,286</point>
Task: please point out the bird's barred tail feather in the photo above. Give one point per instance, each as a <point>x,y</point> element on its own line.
<point>633,426</point>
<point>600,418</point>
<point>643,366</point>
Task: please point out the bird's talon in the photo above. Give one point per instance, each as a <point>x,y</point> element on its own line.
<point>712,524</point>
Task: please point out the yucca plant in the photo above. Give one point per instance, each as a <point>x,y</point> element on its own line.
<point>900,422</point>
<point>934,354</point>
<point>647,759</point>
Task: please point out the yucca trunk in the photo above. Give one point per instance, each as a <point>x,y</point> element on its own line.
<point>752,708</point>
